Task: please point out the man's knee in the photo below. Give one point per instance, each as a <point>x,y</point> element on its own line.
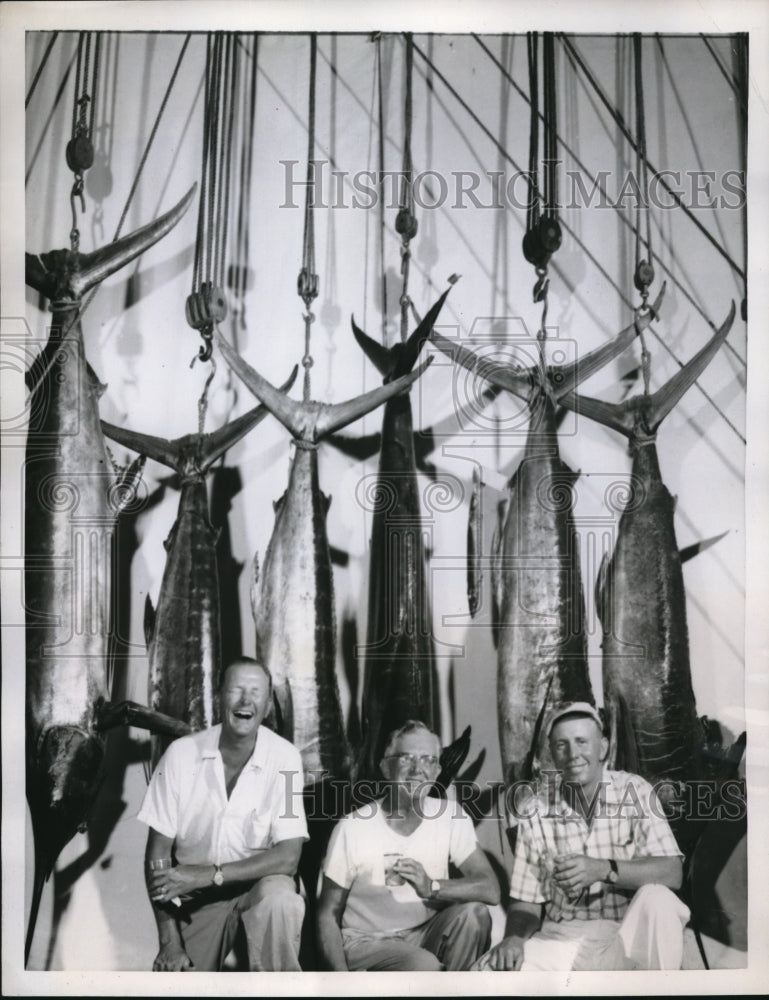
<point>655,898</point>
<point>473,918</point>
<point>273,896</point>
<point>421,960</point>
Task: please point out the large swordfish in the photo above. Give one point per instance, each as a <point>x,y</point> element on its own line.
<point>294,603</point>
<point>640,595</point>
<point>399,682</point>
<point>72,499</point>
<point>183,634</point>
<point>542,646</point>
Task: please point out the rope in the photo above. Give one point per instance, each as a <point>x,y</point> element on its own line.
<point>380,122</point>
<point>307,282</point>
<point>40,68</point>
<point>142,162</point>
<point>596,184</point>
<point>79,151</point>
<point>203,401</point>
<point>644,269</point>
<point>671,191</point>
<point>591,257</point>
<point>151,138</point>
<point>405,222</point>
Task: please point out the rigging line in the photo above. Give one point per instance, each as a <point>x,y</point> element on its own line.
<point>381,158</point>
<point>95,81</point>
<point>57,98</point>
<point>307,282</point>
<point>596,263</point>
<point>40,68</point>
<point>671,277</point>
<point>152,135</point>
<point>690,131</point>
<point>78,314</point>
<point>622,216</point>
<point>673,194</point>
<point>197,269</point>
<point>724,72</point>
<point>231,58</point>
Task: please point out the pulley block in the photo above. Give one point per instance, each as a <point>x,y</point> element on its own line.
<point>206,307</point>
<point>79,153</point>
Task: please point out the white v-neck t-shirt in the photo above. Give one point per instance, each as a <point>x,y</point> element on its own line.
<point>355,860</point>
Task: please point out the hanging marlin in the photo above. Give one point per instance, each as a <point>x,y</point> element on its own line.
<point>541,641</point>
<point>399,677</point>
<point>640,594</point>
<point>72,498</point>
<point>183,634</point>
<point>294,603</point>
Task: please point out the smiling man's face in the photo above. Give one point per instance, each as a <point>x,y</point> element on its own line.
<point>578,750</point>
<point>244,699</point>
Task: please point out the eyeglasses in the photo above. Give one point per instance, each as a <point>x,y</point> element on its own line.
<point>409,759</point>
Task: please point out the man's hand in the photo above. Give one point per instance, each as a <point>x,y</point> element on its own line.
<point>171,958</point>
<point>414,873</point>
<point>575,872</point>
<point>168,883</point>
<point>507,956</point>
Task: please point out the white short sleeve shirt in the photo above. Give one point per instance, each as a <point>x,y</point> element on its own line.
<point>187,799</point>
<point>355,860</point>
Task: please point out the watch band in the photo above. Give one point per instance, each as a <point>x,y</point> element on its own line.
<point>218,876</point>
<point>613,875</point>
<point>435,888</point>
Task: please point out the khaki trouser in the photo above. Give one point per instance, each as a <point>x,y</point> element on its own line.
<point>650,936</point>
<point>452,940</point>
<point>271,913</point>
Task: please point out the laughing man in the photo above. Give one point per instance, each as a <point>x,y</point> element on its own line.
<point>224,811</point>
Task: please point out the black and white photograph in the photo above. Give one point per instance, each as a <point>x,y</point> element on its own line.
<point>384,492</point>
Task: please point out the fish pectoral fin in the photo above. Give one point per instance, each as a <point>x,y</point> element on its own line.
<point>601,596</point>
<point>284,710</point>
<point>131,713</point>
<point>453,757</point>
<point>690,551</point>
<point>97,387</point>
<point>149,621</point>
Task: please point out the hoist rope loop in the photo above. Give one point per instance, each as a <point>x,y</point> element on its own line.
<point>307,282</point>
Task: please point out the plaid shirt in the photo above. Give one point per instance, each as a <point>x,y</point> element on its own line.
<point>624,826</point>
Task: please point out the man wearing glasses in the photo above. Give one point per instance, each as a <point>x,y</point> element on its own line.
<point>388,902</point>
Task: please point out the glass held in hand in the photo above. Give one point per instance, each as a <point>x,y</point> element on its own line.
<point>159,865</point>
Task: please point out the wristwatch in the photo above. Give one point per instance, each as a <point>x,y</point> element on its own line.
<point>218,876</point>
<point>435,887</point>
<point>613,875</point>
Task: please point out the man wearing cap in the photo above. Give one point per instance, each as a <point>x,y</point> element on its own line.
<point>595,865</point>
<point>225,805</point>
<point>389,902</point>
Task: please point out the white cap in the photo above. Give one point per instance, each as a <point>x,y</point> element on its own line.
<point>574,708</point>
